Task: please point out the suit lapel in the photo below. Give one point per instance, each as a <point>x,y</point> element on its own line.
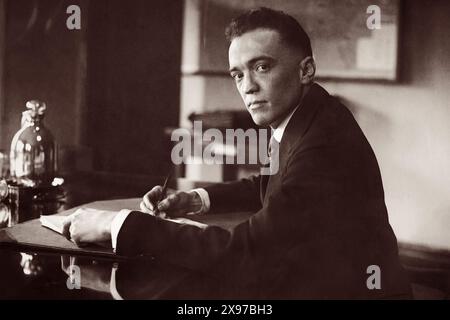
<point>295,130</point>
<point>301,121</point>
<point>263,186</point>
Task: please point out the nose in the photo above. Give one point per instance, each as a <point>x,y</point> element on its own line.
<point>249,85</point>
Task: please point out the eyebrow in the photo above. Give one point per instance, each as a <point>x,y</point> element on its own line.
<point>253,61</point>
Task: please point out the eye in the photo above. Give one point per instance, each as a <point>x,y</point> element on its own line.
<point>236,76</point>
<point>262,68</point>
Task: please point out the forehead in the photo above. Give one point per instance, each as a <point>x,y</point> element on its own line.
<point>254,44</point>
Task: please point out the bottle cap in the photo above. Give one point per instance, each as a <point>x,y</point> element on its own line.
<point>36,107</point>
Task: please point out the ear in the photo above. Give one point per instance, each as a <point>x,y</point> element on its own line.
<point>307,70</point>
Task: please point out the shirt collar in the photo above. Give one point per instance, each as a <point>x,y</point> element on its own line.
<point>279,131</point>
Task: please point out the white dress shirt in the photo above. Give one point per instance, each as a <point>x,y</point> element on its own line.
<point>278,132</point>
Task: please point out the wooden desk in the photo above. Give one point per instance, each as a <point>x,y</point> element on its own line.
<point>40,274</point>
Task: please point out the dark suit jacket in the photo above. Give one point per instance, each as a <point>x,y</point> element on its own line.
<point>320,222</point>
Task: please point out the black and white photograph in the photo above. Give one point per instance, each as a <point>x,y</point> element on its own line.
<point>224,154</point>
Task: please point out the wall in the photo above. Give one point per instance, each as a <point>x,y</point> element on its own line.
<point>134,57</point>
<point>405,122</point>
<point>407,125</point>
<point>111,88</point>
<point>42,61</point>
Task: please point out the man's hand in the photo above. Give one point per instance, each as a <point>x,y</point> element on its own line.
<point>89,226</point>
<point>176,204</point>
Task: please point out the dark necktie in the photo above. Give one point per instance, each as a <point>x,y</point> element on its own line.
<point>267,171</point>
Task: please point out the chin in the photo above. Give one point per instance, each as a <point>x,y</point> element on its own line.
<point>260,121</point>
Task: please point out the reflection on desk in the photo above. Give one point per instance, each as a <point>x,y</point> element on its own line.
<point>47,276</point>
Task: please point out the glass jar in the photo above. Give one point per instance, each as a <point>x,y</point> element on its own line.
<point>33,156</point>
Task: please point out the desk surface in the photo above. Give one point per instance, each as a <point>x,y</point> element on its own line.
<point>39,274</point>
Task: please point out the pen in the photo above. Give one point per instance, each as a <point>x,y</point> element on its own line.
<point>164,191</point>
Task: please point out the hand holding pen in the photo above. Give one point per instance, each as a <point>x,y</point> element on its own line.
<point>163,194</point>
<point>176,204</point>
<point>152,201</point>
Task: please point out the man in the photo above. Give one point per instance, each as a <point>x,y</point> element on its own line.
<point>320,223</point>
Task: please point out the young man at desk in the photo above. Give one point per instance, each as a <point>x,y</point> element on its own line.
<point>320,221</point>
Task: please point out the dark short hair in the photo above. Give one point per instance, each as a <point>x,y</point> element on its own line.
<point>289,29</point>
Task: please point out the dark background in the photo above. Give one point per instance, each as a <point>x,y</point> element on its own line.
<point>111,88</point>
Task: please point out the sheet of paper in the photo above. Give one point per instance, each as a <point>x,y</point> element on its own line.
<point>54,223</point>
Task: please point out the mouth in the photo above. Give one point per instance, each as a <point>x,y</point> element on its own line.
<point>256,104</point>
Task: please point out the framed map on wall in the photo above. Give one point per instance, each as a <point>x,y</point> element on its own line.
<point>343,44</point>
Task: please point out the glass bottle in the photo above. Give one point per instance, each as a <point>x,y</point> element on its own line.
<point>33,156</point>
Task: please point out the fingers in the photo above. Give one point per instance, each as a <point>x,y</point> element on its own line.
<point>67,224</point>
<point>88,225</point>
<point>73,234</point>
<point>176,205</point>
<point>151,198</point>
<point>145,209</point>
<point>171,202</point>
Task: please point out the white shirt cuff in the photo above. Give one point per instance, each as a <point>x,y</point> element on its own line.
<point>116,224</point>
<point>204,196</point>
